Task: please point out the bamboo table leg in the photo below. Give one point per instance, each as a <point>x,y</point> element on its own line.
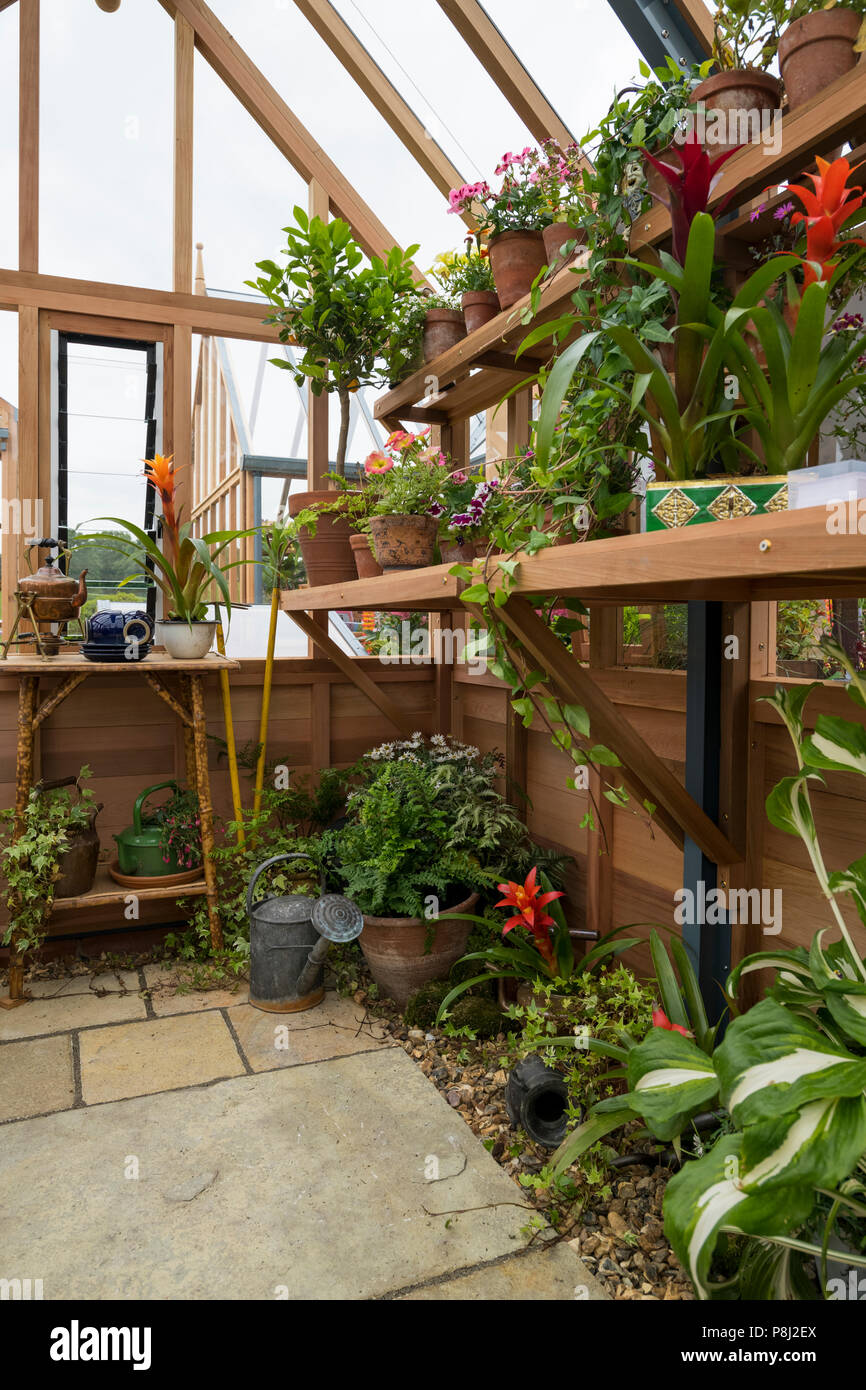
<point>205,810</point>
<point>188,738</point>
<point>27,696</point>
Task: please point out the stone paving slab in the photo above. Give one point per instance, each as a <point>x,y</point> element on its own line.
<point>335,1028</point>
<point>57,1006</point>
<point>35,1077</point>
<point>310,1181</point>
<point>162,1054</point>
<point>162,982</point>
<point>540,1275</point>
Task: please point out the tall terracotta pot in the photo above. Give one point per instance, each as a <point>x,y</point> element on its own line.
<point>394,950</point>
<point>516,259</point>
<point>555,237</point>
<point>327,555</point>
<point>443,329</point>
<point>479,307</point>
<point>815,50</point>
<point>366,564</point>
<point>740,89</point>
<point>404,542</point>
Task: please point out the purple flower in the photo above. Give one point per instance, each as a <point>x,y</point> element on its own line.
<point>756,212</point>
<point>782,212</point>
<point>460,520</point>
<point>436,509</point>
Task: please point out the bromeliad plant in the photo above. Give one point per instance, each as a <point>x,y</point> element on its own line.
<point>190,571</point>
<point>547,954</point>
<point>791,1073</point>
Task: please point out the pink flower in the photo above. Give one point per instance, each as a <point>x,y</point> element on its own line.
<point>377,462</point>
<point>459,477</point>
<point>400,440</point>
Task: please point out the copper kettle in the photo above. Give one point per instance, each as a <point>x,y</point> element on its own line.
<point>56,597</point>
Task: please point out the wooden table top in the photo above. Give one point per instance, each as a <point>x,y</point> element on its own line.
<point>32,664</point>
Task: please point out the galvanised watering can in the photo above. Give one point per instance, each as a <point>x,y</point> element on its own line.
<point>289,939</point>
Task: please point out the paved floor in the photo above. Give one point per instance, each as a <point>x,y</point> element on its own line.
<point>158,1144</point>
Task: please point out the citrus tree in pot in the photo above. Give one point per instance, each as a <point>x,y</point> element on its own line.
<point>340,311</point>
<point>425,828</point>
<point>190,571</point>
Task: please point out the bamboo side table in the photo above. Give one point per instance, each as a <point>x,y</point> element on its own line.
<point>189,708</point>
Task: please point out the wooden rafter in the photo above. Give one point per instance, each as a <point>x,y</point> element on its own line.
<point>502,64</point>
<point>183,156</point>
<point>280,124</point>
<point>347,47</point>
<point>676,812</point>
<point>699,20</point>
<point>28,135</point>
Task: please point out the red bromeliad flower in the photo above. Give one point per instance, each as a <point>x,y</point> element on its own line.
<point>661,1020</point>
<point>530,904</point>
<point>690,186</point>
<point>830,204</point>
<point>161,473</point>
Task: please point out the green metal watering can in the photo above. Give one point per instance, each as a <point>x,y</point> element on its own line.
<point>139,852</point>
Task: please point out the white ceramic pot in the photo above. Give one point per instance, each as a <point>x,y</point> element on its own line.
<point>186,641</point>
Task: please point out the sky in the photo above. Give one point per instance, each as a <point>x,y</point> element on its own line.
<point>105,175</point>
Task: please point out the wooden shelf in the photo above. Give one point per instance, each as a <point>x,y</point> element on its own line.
<point>31,663</point>
<point>478,371</point>
<point>721,561</point>
<point>105,892</point>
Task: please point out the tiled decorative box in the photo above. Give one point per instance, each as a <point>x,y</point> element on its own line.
<point>670,506</point>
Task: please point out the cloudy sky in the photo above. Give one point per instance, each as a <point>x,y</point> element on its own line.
<point>106,149</point>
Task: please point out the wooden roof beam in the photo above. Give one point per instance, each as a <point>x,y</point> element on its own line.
<point>347,47</point>
<point>281,125</point>
<point>499,60</point>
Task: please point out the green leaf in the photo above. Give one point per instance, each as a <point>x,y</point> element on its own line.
<point>837,744</point>
<point>669,1078</point>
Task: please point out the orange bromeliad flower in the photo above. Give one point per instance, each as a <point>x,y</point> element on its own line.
<point>162,476</point>
<point>530,904</point>
<point>830,204</point>
<point>661,1020</point>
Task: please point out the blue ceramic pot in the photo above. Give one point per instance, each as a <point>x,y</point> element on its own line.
<point>119,629</point>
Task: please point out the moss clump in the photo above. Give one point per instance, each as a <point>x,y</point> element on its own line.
<point>423,1006</point>
<point>483,1016</point>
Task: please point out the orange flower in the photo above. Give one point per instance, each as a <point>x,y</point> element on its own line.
<point>530,904</point>
<point>162,476</point>
<point>400,440</point>
<point>827,207</point>
<point>661,1020</point>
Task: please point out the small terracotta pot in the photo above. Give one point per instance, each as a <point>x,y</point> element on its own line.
<point>366,564</point>
<point>516,258</point>
<point>443,328</point>
<point>457,552</point>
<point>815,50</point>
<point>479,307</point>
<point>327,555</point>
<point>404,542</point>
<point>394,950</point>
<point>555,237</point>
<point>740,89</point>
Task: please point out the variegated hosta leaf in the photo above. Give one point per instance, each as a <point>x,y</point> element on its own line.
<point>705,1196</point>
<point>772,1063</point>
<point>788,806</point>
<point>775,1274</point>
<point>669,1079</point>
<point>836,743</point>
<point>794,963</point>
<point>843,990</point>
<point>852,880</point>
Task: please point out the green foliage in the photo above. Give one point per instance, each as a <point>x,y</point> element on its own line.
<point>307,805</point>
<point>30,863</point>
<point>196,576</point>
<point>746,32</point>
<point>338,310</point>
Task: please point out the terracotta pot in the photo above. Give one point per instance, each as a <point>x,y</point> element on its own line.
<point>479,307</point>
<point>815,50</point>
<point>516,258</point>
<point>741,89</point>
<point>443,328</point>
<point>555,237</point>
<point>458,553</point>
<point>366,564</point>
<point>404,542</point>
<point>327,555</point>
<point>394,950</point>
<point>654,181</point>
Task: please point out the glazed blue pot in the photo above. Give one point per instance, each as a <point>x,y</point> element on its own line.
<point>119,629</point>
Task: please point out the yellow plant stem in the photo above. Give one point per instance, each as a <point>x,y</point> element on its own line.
<point>230,734</point>
<point>266,701</point>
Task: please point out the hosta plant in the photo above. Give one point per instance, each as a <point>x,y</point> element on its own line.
<point>791,1073</point>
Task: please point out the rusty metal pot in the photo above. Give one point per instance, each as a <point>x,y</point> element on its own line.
<point>77,863</point>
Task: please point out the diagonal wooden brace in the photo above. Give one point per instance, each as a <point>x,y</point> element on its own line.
<point>58,696</point>
<point>165,694</point>
<point>349,666</point>
<point>643,771</point>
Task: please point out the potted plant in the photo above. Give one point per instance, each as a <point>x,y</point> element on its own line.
<point>545,957</point>
<point>184,571</point>
<point>560,176</point>
<point>745,39</point>
<point>513,219</point>
<point>444,325</point>
<point>820,44</point>
<point>405,519</point>
<point>470,275</point>
<point>425,823</point>
<point>340,313</point>
<point>462,526</point>
<point>180,831</point>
